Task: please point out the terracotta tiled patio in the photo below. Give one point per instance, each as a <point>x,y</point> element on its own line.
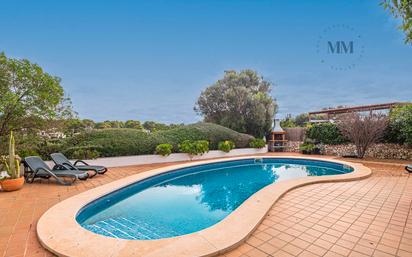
<point>370,217</point>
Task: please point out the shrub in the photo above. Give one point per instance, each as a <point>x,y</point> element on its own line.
<point>307,147</point>
<point>257,143</point>
<point>201,146</point>
<point>116,142</point>
<point>193,148</point>
<point>212,132</point>
<point>325,133</point>
<point>363,131</point>
<point>400,124</point>
<point>164,149</point>
<point>27,152</point>
<point>226,146</point>
<point>83,152</point>
<point>48,147</point>
<point>123,142</point>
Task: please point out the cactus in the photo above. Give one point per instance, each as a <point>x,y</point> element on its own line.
<point>13,164</point>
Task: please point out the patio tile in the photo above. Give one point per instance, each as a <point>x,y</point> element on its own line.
<point>254,241</point>
<point>285,237</point>
<point>377,253</point>
<point>323,243</point>
<point>279,243</point>
<point>256,253</point>
<point>402,253</point>
<point>386,249</point>
<point>345,243</point>
<point>263,236</point>
<point>340,250</point>
<point>268,248</point>
<point>282,253</point>
<point>316,250</point>
<point>363,249</point>
<point>292,249</point>
<point>369,217</point>
<point>300,243</point>
<point>329,238</point>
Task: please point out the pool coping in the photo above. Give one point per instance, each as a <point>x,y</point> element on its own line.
<point>59,232</point>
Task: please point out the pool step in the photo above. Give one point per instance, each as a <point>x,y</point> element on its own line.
<point>129,228</point>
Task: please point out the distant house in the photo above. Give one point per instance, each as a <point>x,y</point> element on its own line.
<point>52,134</point>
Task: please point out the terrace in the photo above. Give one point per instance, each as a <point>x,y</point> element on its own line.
<point>144,129</point>
<point>369,217</point>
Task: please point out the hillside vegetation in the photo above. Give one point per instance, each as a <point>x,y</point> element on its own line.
<point>122,142</point>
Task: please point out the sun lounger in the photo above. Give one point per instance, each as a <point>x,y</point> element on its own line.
<point>37,168</point>
<point>60,159</point>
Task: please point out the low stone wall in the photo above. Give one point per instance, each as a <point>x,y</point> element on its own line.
<point>379,151</point>
<point>293,146</point>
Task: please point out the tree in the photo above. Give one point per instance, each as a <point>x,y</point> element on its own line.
<point>240,101</point>
<point>401,9</point>
<point>154,126</point>
<point>109,124</point>
<point>363,131</point>
<point>288,122</point>
<point>134,124</point>
<point>73,126</point>
<point>103,125</point>
<point>116,124</point>
<point>88,124</point>
<point>28,93</point>
<point>301,119</point>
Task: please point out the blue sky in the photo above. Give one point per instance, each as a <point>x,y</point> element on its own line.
<point>149,60</point>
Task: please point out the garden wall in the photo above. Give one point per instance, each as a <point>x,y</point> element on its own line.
<point>175,157</point>
<point>379,151</point>
<point>295,134</point>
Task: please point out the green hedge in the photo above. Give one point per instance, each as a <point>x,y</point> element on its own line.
<point>325,133</point>
<point>400,125</point>
<point>123,142</point>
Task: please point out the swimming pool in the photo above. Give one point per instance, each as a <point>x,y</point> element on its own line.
<point>190,199</point>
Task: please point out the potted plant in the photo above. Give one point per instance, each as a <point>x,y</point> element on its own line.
<point>11,179</point>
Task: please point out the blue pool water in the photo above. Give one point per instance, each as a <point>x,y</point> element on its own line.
<point>191,199</point>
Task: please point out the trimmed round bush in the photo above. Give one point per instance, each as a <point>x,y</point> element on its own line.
<point>201,147</point>
<point>193,148</point>
<point>226,146</point>
<point>257,143</point>
<point>164,149</point>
